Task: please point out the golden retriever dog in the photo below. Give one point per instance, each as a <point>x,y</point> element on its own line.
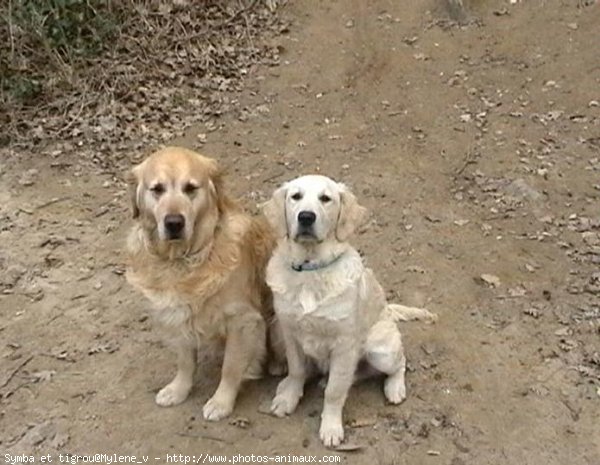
<point>201,262</point>
<point>332,311</point>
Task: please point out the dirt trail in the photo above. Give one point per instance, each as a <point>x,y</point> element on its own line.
<point>476,148</point>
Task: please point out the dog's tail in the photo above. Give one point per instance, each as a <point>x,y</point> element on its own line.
<point>397,312</point>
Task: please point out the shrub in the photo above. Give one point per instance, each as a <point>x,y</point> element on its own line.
<point>48,36</point>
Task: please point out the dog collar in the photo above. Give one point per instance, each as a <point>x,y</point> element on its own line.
<point>313,266</point>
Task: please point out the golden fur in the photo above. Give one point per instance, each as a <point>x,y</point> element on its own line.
<point>208,283</point>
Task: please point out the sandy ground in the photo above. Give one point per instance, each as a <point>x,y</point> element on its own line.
<point>476,147</point>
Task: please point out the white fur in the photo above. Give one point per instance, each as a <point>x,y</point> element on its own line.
<point>336,314</point>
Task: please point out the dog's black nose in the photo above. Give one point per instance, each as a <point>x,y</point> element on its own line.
<point>306,218</point>
<point>174,224</point>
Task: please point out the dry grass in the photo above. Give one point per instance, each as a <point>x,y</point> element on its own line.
<point>107,70</point>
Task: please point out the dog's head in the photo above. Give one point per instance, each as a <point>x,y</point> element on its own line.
<point>313,209</point>
<point>176,193</point>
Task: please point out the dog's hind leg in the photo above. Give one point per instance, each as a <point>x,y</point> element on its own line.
<point>277,365</point>
<point>245,350</point>
<point>383,351</point>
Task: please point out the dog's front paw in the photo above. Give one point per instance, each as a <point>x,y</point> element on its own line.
<point>172,394</point>
<point>289,393</point>
<point>283,405</point>
<point>395,389</point>
<point>217,408</point>
<point>331,432</point>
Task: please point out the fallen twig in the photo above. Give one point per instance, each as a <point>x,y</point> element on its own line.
<point>470,159</point>
<point>51,202</point>
<point>12,374</point>
<point>203,436</point>
<point>241,12</point>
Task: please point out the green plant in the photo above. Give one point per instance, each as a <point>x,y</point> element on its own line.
<point>69,27</point>
<point>46,39</point>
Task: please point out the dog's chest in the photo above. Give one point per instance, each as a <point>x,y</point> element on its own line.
<point>168,309</point>
<point>318,324</point>
<point>318,336</point>
<point>310,303</point>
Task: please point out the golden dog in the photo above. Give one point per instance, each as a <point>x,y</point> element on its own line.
<point>201,262</point>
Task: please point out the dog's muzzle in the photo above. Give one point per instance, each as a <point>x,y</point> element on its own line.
<point>306,221</point>
<point>174,226</point>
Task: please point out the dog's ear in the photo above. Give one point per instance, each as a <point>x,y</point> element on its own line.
<point>274,211</point>
<point>133,189</point>
<point>351,215</point>
<point>215,185</point>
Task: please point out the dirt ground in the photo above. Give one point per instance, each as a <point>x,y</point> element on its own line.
<point>473,138</point>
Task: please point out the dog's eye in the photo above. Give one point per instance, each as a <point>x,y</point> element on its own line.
<point>158,189</point>
<point>297,196</point>
<point>190,188</point>
<point>325,198</point>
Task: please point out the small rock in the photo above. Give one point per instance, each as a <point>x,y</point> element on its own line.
<point>240,422</point>
<point>436,423</point>
<point>532,312</point>
<point>349,447</point>
<point>104,347</point>
<point>415,269</point>
<point>520,189</point>
<point>362,422</point>
<point>591,238</point>
<point>43,375</point>
<point>554,115</point>
<point>529,267</point>
<point>562,332</point>
<point>490,279</point>
<point>567,344</point>
<point>519,291</point>
<point>29,177</point>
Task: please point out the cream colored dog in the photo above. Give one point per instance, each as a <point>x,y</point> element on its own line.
<point>332,311</point>
<point>201,262</point>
